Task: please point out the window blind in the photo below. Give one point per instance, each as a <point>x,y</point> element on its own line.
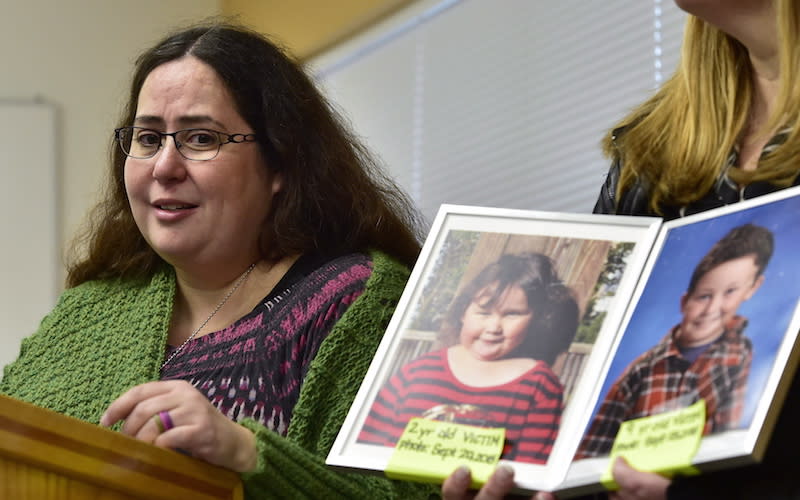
<point>501,103</point>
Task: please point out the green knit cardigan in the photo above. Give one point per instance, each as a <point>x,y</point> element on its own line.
<point>107,336</point>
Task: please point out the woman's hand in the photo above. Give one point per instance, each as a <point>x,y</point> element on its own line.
<point>197,427</point>
<point>637,485</point>
<point>499,485</point>
<point>634,485</point>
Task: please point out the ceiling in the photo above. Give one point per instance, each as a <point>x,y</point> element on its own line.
<point>308,27</point>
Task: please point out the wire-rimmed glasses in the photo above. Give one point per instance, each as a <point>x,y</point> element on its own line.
<point>199,144</point>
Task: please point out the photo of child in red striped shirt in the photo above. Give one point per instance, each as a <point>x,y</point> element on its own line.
<point>504,331</point>
<point>706,356</point>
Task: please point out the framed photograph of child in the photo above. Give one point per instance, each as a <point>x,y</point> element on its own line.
<point>715,319</point>
<point>506,321</point>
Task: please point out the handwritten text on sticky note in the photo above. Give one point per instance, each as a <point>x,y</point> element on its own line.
<point>430,451</point>
<point>665,443</point>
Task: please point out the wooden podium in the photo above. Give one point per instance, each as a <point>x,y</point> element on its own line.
<point>45,455</point>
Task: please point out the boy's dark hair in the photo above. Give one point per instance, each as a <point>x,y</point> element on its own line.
<point>741,241</point>
<point>555,311</point>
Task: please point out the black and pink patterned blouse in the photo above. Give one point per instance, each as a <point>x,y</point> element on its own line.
<point>255,367</point>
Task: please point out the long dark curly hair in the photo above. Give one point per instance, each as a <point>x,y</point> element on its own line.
<point>334,197</point>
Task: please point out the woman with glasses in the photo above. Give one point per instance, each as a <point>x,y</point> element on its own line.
<point>721,130</point>
<point>237,277</point>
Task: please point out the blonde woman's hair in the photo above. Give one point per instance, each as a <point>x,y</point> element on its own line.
<point>678,141</point>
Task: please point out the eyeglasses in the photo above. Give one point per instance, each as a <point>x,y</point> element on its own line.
<point>199,144</point>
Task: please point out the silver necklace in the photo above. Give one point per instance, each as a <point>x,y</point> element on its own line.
<point>236,285</point>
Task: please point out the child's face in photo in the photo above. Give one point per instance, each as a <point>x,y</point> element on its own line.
<point>715,300</point>
<point>492,331</point>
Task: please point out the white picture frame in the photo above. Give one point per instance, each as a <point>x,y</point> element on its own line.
<point>520,229</point>
<point>773,315</point>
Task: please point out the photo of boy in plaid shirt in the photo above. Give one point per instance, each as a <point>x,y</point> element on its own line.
<point>706,356</point>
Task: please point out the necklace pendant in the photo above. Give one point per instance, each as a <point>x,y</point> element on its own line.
<point>235,287</point>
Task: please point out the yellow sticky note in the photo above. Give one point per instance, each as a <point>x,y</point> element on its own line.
<point>665,443</point>
<point>429,451</point>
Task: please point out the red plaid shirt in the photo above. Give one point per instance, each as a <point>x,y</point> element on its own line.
<point>661,380</point>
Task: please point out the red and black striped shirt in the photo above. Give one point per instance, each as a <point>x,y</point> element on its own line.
<point>528,407</point>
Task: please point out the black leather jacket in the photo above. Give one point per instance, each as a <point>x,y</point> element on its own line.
<point>635,201</point>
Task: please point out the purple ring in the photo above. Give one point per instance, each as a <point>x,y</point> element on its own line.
<point>166,420</point>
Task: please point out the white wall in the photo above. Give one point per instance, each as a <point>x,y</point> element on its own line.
<point>29,263</point>
<point>78,55</point>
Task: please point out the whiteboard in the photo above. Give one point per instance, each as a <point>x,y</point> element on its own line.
<point>29,245</point>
